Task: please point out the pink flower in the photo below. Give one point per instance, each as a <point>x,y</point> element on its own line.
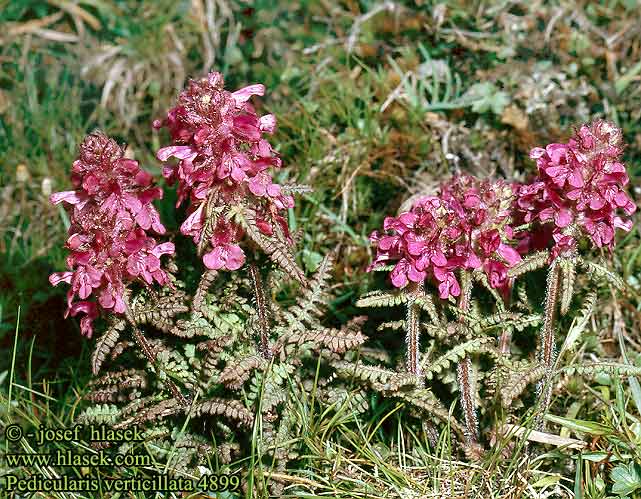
<point>448,285</point>
<point>580,186</point>
<point>225,256</point>
<point>108,242</point>
<point>223,160</point>
<point>466,227</point>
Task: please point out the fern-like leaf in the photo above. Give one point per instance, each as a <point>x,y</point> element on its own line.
<point>476,345</point>
<point>159,311</point>
<point>231,409</point>
<point>237,372</point>
<point>379,378</point>
<point>313,297</point>
<point>508,320</point>
<point>395,325</point>
<point>425,302</point>
<point>609,368</point>
<point>567,270</point>
<point>336,340</point>
<point>206,280</point>
<point>597,271</point>
<point>382,299</point>
<point>517,381</point>
<point>531,262</point>
<point>425,400</point>
<point>279,251</point>
<point>105,344</point>
<point>580,322</point>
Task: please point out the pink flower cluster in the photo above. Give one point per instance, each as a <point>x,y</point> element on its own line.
<point>470,224</point>
<point>223,160</point>
<point>465,227</point>
<point>108,242</point>
<point>578,191</point>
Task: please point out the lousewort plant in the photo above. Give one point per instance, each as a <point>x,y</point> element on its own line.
<point>577,195</point>
<point>492,232</point>
<point>224,349</point>
<point>458,262</point>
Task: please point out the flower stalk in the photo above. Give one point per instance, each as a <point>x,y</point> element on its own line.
<point>148,352</point>
<point>547,353</point>
<point>465,373</point>
<point>261,307</point>
<point>413,330</point>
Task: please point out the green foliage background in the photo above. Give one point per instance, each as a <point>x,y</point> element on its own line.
<point>375,101</point>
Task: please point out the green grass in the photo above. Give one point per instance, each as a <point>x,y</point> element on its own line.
<point>362,164</point>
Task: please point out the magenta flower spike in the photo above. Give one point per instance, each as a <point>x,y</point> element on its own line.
<point>467,226</point>
<point>108,241</point>
<point>579,190</point>
<point>223,160</point>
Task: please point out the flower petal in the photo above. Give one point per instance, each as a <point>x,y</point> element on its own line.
<point>245,93</point>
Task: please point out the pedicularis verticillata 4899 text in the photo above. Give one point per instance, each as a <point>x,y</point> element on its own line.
<point>473,231</point>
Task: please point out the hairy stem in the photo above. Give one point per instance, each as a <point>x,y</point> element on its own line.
<point>505,340</point>
<point>413,330</point>
<point>551,299</point>
<point>261,306</point>
<point>465,377</point>
<point>146,349</point>
<point>547,353</point>
<point>465,374</point>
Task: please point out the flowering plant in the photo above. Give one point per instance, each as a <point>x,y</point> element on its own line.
<point>471,231</point>
<point>466,227</point>
<point>579,189</point>
<point>223,163</point>
<point>493,232</point>
<point>108,240</point>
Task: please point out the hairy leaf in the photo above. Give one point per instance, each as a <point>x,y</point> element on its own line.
<point>580,321</point>
<point>231,409</point>
<point>476,345</point>
<point>531,262</point>
<point>105,344</point>
<point>379,378</point>
<point>382,299</point>
<point>516,382</point>
<point>237,372</point>
<point>609,368</point>
<point>279,251</point>
<point>598,271</point>
<point>567,268</point>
